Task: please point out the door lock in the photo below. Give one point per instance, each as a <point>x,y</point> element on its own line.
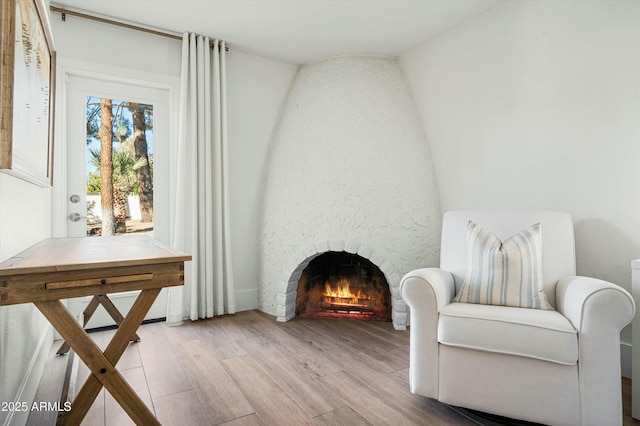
<point>76,217</point>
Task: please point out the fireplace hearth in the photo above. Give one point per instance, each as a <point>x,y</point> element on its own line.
<point>343,285</point>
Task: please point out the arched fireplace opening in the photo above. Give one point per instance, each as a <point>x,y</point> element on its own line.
<point>343,285</point>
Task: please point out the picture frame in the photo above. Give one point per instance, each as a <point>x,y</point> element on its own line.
<point>27,91</point>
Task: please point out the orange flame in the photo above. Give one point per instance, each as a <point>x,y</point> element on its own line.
<point>343,291</point>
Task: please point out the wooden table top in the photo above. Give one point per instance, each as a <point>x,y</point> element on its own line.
<point>72,254</point>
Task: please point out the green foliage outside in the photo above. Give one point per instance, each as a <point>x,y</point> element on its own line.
<point>124,164</point>
<point>124,170</point>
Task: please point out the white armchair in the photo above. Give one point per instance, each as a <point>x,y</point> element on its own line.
<point>556,367</point>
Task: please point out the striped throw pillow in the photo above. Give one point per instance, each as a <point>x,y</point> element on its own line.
<point>505,273</point>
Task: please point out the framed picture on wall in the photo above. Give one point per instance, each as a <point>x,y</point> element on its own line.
<point>27,80</point>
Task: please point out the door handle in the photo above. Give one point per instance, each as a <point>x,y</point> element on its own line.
<point>76,217</point>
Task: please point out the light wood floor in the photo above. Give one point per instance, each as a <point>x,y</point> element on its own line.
<point>248,369</point>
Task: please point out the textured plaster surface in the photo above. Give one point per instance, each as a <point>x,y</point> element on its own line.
<point>349,170</point>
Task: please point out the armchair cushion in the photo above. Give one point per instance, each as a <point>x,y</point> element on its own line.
<point>505,273</point>
<point>531,333</point>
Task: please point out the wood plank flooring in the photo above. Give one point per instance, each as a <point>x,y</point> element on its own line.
<point>248,369</point>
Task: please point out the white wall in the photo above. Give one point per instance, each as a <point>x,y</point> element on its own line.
<point>256,90</point>
<point>537,105</point>
<point>256,87</point>
<point>25,337</point>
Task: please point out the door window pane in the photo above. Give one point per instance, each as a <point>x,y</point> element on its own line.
<point>123,131</point>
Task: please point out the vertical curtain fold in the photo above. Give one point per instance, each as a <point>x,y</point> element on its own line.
<point>200,199</point>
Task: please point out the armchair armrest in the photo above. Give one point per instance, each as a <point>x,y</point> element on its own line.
<point>425,291</point>
<point>589,302</point>
<point>428,283</point>
<point>598,310</point>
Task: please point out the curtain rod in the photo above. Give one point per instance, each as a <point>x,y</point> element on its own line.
<point>65,12</point>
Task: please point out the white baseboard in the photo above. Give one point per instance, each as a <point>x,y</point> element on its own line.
<point>32,377</point>
<point>246,300</point>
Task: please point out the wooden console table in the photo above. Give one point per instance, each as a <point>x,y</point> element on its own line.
<point>61,268</point>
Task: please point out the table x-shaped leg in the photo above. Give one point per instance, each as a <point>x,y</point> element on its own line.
<point>102,365</point>
<point>107,304</point>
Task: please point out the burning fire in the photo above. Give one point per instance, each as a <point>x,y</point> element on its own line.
<point>343,292</point>
<point>348,288</point>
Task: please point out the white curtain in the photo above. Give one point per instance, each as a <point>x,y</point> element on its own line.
<point>200,191</point>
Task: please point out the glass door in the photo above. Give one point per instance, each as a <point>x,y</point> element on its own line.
<point>117,138</point>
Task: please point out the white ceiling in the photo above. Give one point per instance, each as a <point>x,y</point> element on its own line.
<point>298,31</point>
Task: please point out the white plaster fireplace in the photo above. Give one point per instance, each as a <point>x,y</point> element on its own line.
<point>349,170</point>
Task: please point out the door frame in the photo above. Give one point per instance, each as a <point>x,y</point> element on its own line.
<point>86,69</point>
